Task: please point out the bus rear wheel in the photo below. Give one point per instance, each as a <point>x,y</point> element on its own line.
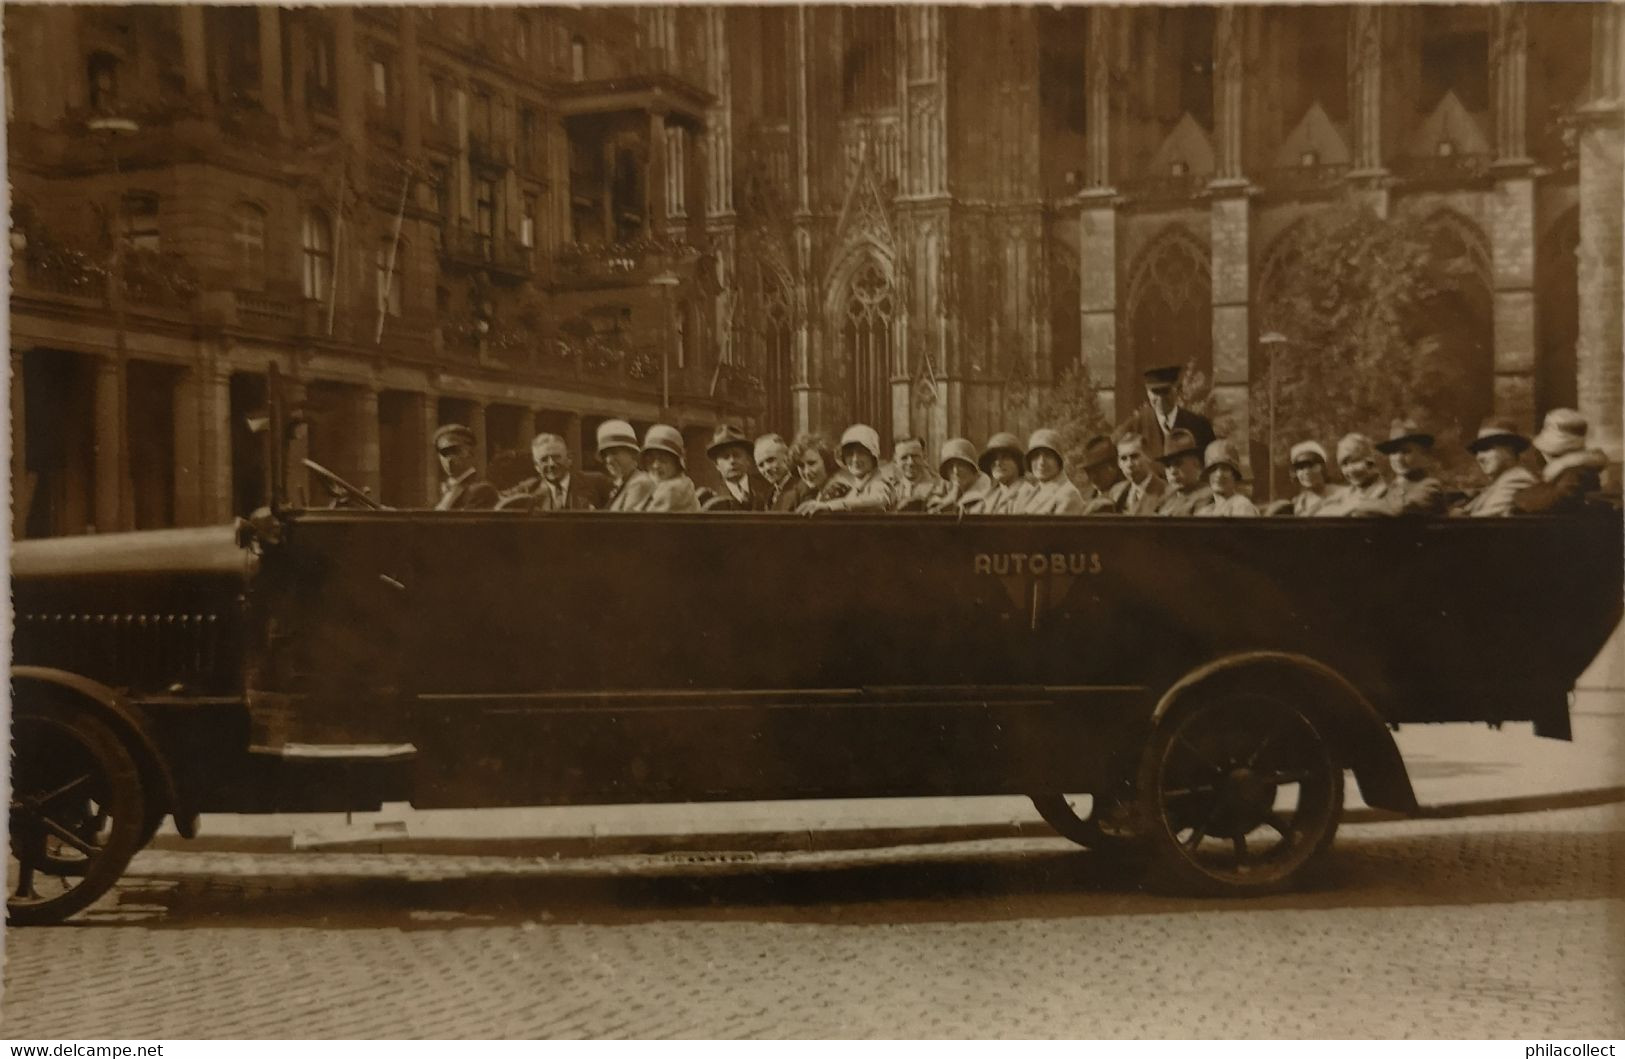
<point>1238,795</point>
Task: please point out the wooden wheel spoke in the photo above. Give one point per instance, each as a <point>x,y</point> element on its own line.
<point>1238,846</point>
<point>1185,792</point>
<point>1277,823</point>
<point>66,834</point>
<point>25,881</point>
<point>1289,776</point>
<point>1197,753</point>
<point>66,788</point>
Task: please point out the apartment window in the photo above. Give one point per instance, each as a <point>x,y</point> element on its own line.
<point>101,70</point>
<point>529,144</point>
<point>485,213</point>
<point>441,177</point>
<point>141,221</point>
<point>321,61</point>
<point>248,245</point>
<point>578,59</point>
<point>480,119</point>
<point>388,276</point>
<point>380,83</point>
<point>527,223</point>
<point>521,37</point>
<point>317,239</point>
<point>437,89</point>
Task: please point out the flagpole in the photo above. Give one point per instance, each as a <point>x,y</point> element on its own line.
<point>338,243</point>
<point>389,268</point>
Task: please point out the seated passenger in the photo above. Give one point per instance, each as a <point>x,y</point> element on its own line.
<point>1357,459</point>
<point>1497,448</point>
<point>785,491</point>
<point>1183,460</point>
<point>913,479</point>
<point>1003,461</point>
<point>870,490</point>
<point>1413,490</point>
<point>821,476</point>
<point>1100,468</point>
<point>963,485</point>
<point>1571,474</point>
<point>663,459</point>
<point>1223,469</point>
<point>1315,494</point>
<point>557,487</point>
<point>1052,493</point>
<point>629,486</point>
<point>1141,491</point>
<point>462,489</point>
<point>742,488</point>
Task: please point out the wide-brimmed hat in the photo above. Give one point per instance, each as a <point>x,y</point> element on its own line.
<point>1181,442</point>
<point>456,433</point>
<point>864,437</point>
<point>1498,432</point>
<point>1222,453</point>
<point>1047,440</point>
<point>1000,443</point>
<point>956,449</point>
<point>1165,376</point>
<point>662,438</point>
<point>1355,446</point>
<point>1304,452</point>
<point>1563,432</point>
<point>1403,431</point>
<point>729,436</point>
<point>1099,451</point>
<point>616,434</point>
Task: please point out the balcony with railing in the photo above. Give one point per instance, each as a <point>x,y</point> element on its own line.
<point>470,248</point>
<point>487,148</point>
<point>631,263</point>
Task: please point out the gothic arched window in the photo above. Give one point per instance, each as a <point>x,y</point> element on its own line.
<point>778,353</point>
<point>866,334</point>
<point>1170,308</point>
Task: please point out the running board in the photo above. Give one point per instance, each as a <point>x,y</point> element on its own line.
<point>1529,803</point>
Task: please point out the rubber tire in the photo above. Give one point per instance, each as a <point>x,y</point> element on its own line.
<point>1167,868</point>
<point>1058,814</point>
<point>127,806</point>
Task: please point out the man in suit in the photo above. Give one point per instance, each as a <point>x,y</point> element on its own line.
<point>558,487</point>
<point>1161,415</point>
<point>1190,492</point>
<point>1142,489</point>
<point>913,478</point>
<point>618,451</point>
<point>463,489</point>
<point>1100,468</point>
<point>786,491</point>
<point>743,489</point>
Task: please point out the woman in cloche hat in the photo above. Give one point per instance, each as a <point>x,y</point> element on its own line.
<point>1572,471</point>
<point>871,490</point>
<point>1223,469</point>
<point>663,459</point>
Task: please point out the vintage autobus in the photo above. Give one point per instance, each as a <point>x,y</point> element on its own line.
<point>1208,682</point>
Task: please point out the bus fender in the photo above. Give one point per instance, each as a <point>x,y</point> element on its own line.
<point>114,708</point>
<point>1357,732</point>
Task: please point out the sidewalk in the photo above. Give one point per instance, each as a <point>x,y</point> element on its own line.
<point>1449,765</point>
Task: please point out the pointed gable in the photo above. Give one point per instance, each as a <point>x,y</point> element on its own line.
<point>1449,123</point>
<point>1315,134</point>
<point>1188,143</point>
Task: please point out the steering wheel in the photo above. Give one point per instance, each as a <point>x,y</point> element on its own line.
<point>339,488</point>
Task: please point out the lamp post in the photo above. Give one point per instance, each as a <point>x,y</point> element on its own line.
<point>1272,341</point>
<point>667,282</point>
<point>112,127</point>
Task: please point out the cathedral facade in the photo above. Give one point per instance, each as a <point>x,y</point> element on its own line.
<point>792,218</point>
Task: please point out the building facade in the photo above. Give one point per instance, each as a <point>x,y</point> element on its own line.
<point>789,217</point>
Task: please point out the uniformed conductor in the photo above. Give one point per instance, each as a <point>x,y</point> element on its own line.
<point>462,489</point>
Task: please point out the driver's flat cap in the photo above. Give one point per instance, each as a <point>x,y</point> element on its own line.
<point>454,432</point>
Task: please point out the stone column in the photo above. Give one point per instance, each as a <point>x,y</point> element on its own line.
<point>368,464</point>
<point>1512,222</point>
<point>347,77</point>
<point>411,82</point>
<point>429,410</point>
<point>527,428</point>
<point>188,429</point>
<point>1097,301</point>
<point>67,78</point>
<point>1098,90</point>
<point>1228,116</point>
<point>656,194</point>
<point>194,51</point>
<point>109,441</point>
<point>476,423</point>
<point>271,61</point>
<point>298,113</point>
<point>1602,163</point>
<point>1231,221</point>
<point>1365,104</point>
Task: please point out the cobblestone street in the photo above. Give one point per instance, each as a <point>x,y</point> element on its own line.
<point>1501,926</point>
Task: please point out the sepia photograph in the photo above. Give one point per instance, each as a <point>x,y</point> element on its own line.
<point>773,521</point>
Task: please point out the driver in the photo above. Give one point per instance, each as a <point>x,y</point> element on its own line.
<point>463,489</point>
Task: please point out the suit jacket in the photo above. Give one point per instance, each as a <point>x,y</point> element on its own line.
<point>1058,496</point>
<point>1496,499</point>
<point>760,498</point>
<point>1178,503</point>
<point>1144,422</point>
<point>1155,489</point>
<point>631,493</point>
<point>468,493</point>
<point>586,491</point>
<point>787,497</point>
<point>1565,484</point>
